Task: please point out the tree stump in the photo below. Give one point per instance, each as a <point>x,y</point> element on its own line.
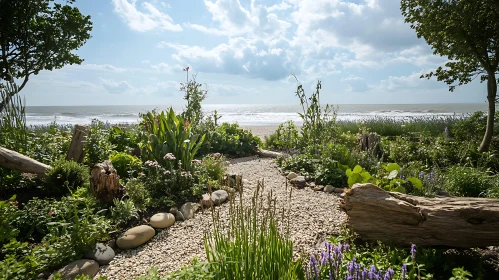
<point>105,182</point>
<point>396,218</point>
<point>75,152</point>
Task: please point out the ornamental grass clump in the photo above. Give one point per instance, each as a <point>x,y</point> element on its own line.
<point>252,246</point>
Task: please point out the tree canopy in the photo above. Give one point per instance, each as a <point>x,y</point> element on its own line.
<point>39,35</point>
<point>467,33</point>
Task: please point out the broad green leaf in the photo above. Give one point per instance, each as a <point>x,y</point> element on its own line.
<point>391,167</point>
<point>353,179</point>
<point>416,182</point>
<point>349,172</point>
<point>357,169</point>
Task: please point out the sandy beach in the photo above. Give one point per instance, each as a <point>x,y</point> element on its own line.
<point>261,131</point>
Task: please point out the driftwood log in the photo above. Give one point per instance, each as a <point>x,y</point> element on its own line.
<point>75,152</point>
<point>397,218</point>
<point>269,154</point>
<point>105,182</point>
<point>16,161</point>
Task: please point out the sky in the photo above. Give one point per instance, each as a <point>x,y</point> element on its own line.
<point>246,52</point>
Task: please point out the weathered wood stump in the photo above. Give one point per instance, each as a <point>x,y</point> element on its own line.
<point>369,142</point>
<point>75,152</point>
<point>397,218</point>
<point>16,161</point>
<point>105,182</point>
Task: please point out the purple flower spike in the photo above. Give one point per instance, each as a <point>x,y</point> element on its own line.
<point>404,271</point>
<point>413,251</point>
<point>313,265</point>
<point>364,274</point>
<point>391,272</point>
<point>323,258</point>
<point>372,272</point>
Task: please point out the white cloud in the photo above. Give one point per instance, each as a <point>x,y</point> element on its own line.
<point>252,58</point>
<point>235,20</point>
<point>279,7</point>
<point>150,18</point>
<point>162,67</point>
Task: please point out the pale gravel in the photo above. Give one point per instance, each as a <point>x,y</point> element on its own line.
<point>314,216</point>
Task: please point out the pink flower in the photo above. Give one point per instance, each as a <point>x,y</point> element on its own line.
<point>14,203</point>
<point>51,213</point>
<point>196,161</point>
<point>169,156</point>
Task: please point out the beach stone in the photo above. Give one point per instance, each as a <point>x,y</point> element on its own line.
<point>162,220</point>
<point>328,189</point>
<point>299,182</point>
<point>219,196</point>
<point>291,176</point>
<point>188,209</point>
<point>206,200</point>
<point>101,253</point>
<point>318,188</point>
<point>79,267</point>
<point>339,190</point>
<point>135,237</point>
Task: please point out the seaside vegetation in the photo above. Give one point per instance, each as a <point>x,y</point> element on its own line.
<point>173,157</point>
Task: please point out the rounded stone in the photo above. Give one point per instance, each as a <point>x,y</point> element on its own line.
<point>162,220</point>
<point>79,267</point>
<point>135,237</point>
<point>291,176</point>
<point>328,189</point>
<point>219,196</point>
<point>100,253</point>
<point>188,209</point>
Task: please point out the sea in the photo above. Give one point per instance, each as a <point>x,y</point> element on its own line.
<point>244,114</point>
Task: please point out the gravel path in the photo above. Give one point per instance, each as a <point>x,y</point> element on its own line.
<point>314,216</point>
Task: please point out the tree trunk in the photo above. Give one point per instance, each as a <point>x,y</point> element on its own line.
<point>75,151</point>
<point>16,161</point>
<point>491,98</point>
<point>105,182</point>
<point>396,218</point>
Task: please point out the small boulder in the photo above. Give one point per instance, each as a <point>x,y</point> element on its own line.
<point>135,237</point>
<point>188,209</point>
<point>100,253</point>
<point>219,196</point>
<point>162,220</point>
<point>79,267</point>
<point>328,189</point>
<point>299,182</point>
<point>206,200</point>
<point>291,176</point>
<point>339,190</point>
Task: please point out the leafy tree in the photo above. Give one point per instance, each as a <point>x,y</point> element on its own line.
<point>467,32</point>
<point>39,35</point>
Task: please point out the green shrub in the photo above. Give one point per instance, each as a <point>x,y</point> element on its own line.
<point>8,214</point>
<point>124,138</point>
<point>126,165</point>
<point>213,166</point>
<point>123,211</point>
<point>468,181</point>
<point>329,173</point>
<point>65,176</point>
<point>303,163</point>
<point>286,137</point>
<point>230,139</point>
<point>97,146</point>
<point>168,187</point>
<point>138,193</point>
